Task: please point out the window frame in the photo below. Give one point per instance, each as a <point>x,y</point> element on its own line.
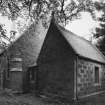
<point>96,67</point>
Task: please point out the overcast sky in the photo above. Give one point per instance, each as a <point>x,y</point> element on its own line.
<point>4,20</point>
<point>84,26</point>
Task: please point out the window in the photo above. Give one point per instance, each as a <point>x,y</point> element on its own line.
<point>96,75</point>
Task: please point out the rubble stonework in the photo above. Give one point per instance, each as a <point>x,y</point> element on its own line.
<point>86,77</point>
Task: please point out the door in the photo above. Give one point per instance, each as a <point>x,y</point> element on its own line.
<point>32,78</point>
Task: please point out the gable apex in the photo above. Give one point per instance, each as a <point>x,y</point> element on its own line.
<point>81,46</point>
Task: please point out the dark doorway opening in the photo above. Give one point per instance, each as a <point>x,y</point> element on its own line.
<point>32,79</point>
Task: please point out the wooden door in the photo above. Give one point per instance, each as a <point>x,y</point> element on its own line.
<point>32,78</point>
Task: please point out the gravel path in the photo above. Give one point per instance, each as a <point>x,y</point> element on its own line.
<point>7,98</point>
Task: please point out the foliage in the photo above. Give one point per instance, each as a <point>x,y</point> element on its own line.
<point>5,40</point>
<point>100,31</point>
<point>63,10</point>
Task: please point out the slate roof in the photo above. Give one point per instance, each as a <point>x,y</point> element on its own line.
<point>81,46</point>
<point>30,43</point>
<point>32,40</point>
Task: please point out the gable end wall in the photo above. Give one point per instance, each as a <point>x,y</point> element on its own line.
<point>56,65</point>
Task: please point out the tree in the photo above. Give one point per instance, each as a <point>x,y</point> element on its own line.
<point>63,10</point>
<point>100,31</point>
<point>5,40</point>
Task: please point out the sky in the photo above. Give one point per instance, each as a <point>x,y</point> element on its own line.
<point>84,26</point>
<point>8,24</point>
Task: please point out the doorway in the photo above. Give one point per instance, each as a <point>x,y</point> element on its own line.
<point>32,78</point>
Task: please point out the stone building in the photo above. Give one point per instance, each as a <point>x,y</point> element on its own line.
<point>55,62</point>
<point>20,57</point>
<point>70,66</point>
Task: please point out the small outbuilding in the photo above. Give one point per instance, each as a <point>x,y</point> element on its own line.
<point>54,62</point>
<point>69,66</point>
<point>18,68</point>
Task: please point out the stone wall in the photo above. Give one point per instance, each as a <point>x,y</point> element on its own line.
<point>86,77</point>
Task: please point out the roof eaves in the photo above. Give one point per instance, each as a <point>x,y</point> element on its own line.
<point>60,28</point>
